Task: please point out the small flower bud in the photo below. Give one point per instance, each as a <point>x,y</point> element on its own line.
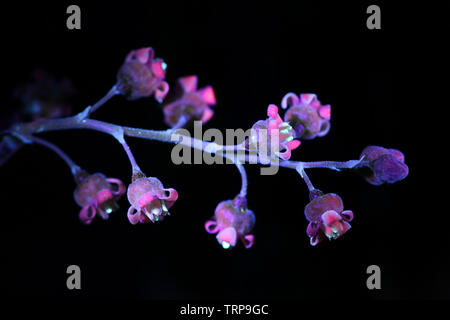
<point>383,165</point>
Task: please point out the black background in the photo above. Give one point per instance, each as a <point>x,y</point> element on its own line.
<point>252,55</point>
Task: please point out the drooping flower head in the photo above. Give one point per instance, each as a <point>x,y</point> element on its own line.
<point>189,103</point>
<point>142,75</point>
<point>327,218</point>
<point>265,133</point>
<point>307,115</point>
<point>232,220</point>
<point>97,194</point>
<point>383,165</point>
<point>149,200</point>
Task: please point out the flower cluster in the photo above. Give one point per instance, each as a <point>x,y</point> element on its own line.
<point>97,194</point>
<point>189,103</point>
<point>232,220</point>
<point>149,200</point>
<point>142,75</point>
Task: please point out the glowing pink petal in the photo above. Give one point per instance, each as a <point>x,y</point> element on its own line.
<point>325,112</point>
<point>293,144</point>
<point>207,95</point>
<point>133,217</point>
<point>211,226</point>
<point>285,155</point>
<point>87,214</point>
<point>314,240</point>
<point>104,195</point>
<point>207,114</point>
<point>272,112</point>
<point>330,217</point>
<point>189,83</point>
<point>171,196</point>
<point>121,189</point>
<point>307,98</point>
<point>146,199</point>
<point>347,215</point>
<point>161,91</point>
<point>248,240</point>
<point>312,229</point>
<point>290,99</point>
<point>228,235</point>
<point>158,69</point>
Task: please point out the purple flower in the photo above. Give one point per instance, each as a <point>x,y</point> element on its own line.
<point>383,165</point>
<point>232,220</point>
<point>327,218</point>
<point>97,194</point>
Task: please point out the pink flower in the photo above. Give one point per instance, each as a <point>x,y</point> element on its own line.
<point>383,165</point>
<point>97,194</point>
<point>309,118</point>
<point>149,200</point>
<point>264,132</point>
<point>232,220</point>
<point>141,75</point>
<point>189,103</point>
<point>327,218</point>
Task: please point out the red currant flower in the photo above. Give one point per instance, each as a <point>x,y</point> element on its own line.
<point>97,194</point>
<point>142,75</point>
<point>383,165</point>
<point>149,200</point>
<point>275,130</point>
<point>232,220</point>
<point>307,115</point>
<point>327,218</point>
<point>189,103</point>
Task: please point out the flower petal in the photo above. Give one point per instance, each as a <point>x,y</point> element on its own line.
<point>207,95</point>
<point>133,217</point>
<point>248,240</point>
<point>229,236</point>
<point>161,91</point>
<point>121,189</point>
<point>170,194</point>
<point>189,83</point>
<point>87,214</point>
<point>347,215</point>
<point>211,227</point>
<point>290,99</point>
<point>330,217</point>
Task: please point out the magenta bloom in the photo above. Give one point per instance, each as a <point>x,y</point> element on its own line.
<point>264,132</point>
<point>383,165</point>
<point>307,115</point>
<point>141,75</point>
<point>97,194</point>
<point>149,200</point>
<point>327,218</point>
<point>189,103</point>
<point>232,220</point>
